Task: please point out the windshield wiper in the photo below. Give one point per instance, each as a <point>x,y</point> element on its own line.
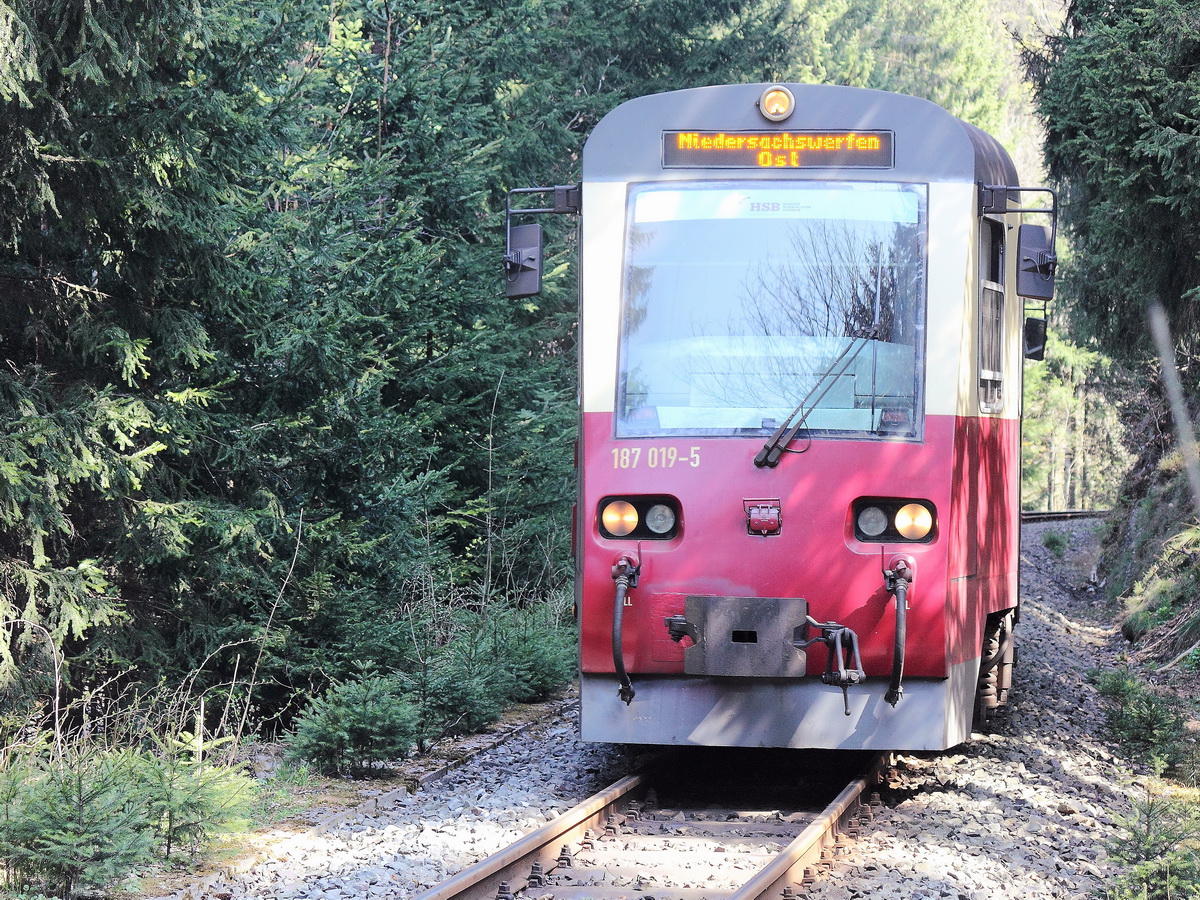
<point>773,449</point>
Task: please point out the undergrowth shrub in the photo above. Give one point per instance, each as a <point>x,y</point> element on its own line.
<point>1056,542</point>
<point>1164,594</point>
<point>80,813</point>
<point>72,823</point>
<point>1150,727</point>
<point>1159,851</point>
<point>463,663</point>
<point>468,664</point>
<point>355,727</point>
<point>1148,608</point>
<point>1191,663</point>
<point>539,653</point>
<point>189,799</point>
<point>468,690</point>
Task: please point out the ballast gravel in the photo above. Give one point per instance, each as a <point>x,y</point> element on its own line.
<point>1028,811</point>
<point>1025,812</point>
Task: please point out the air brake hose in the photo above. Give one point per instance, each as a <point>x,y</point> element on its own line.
<point>897,579</point>
<point>624,575</point>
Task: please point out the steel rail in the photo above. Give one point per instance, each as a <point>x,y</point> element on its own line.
<point>1062,515</point>
<point>506,873</point>
<point>480,881</point>
<point>806,850</point>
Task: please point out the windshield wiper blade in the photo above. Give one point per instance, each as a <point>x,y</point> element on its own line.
<point>772,450</point>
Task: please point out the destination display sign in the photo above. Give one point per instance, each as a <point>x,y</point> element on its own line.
<point>777,149</point>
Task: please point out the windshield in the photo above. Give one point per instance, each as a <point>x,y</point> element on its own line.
<point>739,299</point>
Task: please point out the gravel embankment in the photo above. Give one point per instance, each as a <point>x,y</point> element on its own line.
<point>1026,812</point>
<point>413,841</point>
<point>1023,813</point>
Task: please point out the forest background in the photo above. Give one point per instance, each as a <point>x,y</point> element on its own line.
<point>269,428</point>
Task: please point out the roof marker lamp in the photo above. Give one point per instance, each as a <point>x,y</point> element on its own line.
<point>776,103</point>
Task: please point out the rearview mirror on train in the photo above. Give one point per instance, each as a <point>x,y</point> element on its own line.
<point>523,261</point>
<point>1035,263</point>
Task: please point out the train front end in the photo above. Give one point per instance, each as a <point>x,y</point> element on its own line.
<point>797,511</point>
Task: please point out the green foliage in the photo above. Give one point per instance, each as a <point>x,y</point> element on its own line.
<point>467,691</point>
<point>1191,662</point>
<point>82,810</point>
<point>71,823</point>
<point>113,222</point>
<point>356,727</point>
<point>89,818</point>
<point>1149,607</point>
<point>466,665</point>
<point>188,797</point>
<point>538,651</point>
<point>944,51</point>
<point>1056,542</point>
<point>1150,727</point>
<point>1165,592</point>
<point>1074,451</point>
<point>1160,850</point>
<point>1117,88</point>
<point>255,340</point>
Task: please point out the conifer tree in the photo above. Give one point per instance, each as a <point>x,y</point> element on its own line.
<point>98,274</point>
<point>260,378</point>
<point>953,53</point>
<point>1118,90</point>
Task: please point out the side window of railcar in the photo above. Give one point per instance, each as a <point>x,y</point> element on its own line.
<point>991,315</point>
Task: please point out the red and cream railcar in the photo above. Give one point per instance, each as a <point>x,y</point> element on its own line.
<point>801,356</point>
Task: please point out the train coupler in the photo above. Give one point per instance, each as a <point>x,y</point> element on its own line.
<point>678,627</point>
<point>842,649</point>
<point>740,637</point>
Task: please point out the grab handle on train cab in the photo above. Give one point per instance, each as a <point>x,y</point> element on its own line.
<point>897,578</point>
<point>625,573</point>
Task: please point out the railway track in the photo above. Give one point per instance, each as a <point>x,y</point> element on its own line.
<point>1061,515</point>
<point>684,829</point>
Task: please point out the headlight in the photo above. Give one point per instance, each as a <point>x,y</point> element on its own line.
<point>893,520</point>
<point>660,518</point>
<point>653,518</point>
<point>619,518</point>
<point>872,521</point>
<point>914,521</point>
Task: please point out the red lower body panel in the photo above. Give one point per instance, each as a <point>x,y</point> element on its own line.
<point>966,467</point>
